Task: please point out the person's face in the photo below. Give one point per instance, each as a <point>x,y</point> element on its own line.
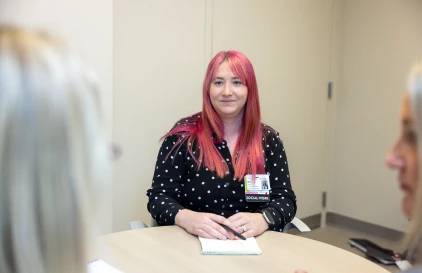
<point>404,157</point>
<point>228,94</point>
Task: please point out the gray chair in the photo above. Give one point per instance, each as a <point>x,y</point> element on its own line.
<point>295,223</point>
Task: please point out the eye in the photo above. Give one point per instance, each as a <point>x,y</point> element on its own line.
<point>410,137</point>
<point>237,82</point>
<point>218,83</point>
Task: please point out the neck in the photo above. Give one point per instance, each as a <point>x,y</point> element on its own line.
<point>233,125</point>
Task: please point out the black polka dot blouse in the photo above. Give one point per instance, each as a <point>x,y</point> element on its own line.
<point>177,184</point>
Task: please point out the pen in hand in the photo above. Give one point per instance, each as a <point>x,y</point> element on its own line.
<point>238,235</point>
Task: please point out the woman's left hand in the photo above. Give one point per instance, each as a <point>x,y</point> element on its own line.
<point>249,224</point>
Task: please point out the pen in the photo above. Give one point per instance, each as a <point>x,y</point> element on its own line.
<point>238,235</point>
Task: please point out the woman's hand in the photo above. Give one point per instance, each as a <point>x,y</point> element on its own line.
<point>206,225</point>
<point>249,224</point>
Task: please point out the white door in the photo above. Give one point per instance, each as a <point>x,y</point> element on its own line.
<point>289,44</point>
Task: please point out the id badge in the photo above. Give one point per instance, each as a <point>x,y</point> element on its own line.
<point>258,191</point>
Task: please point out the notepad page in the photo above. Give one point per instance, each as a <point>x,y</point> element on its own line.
<point>229,247</point>
<point>99,266</point>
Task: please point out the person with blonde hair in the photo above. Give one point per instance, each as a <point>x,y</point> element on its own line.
<point>405,157</point>
<point>53,154</point>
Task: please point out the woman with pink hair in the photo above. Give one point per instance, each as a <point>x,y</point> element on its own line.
<point>207,167</point>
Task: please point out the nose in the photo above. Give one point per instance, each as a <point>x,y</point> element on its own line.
<point>393,160</point>
<point>227,90</point>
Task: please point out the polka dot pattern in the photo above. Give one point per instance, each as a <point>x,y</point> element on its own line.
<point>179,184</point>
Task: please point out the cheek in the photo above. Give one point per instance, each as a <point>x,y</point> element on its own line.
<point>412,165</point>
<point>244,96</point>
<point>213,93</point>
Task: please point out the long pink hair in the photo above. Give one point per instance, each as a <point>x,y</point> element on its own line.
<point>206,128</point>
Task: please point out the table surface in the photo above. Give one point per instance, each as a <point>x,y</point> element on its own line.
<point>172,249</point>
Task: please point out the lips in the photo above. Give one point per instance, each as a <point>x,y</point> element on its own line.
<point>404,187</point>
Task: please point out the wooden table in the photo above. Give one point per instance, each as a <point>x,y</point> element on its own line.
<point>173,250</point>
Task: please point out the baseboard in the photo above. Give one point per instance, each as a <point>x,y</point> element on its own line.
<point>313,221</point>
<point>362,226</point>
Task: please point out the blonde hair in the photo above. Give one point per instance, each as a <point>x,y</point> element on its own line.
<point>413,239</point>
<point>52,154</point>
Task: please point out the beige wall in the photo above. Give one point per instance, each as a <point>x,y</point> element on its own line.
<point>379,40</point>
<point>88,31</point>
<point>159,66</point>
<point>161,51</point>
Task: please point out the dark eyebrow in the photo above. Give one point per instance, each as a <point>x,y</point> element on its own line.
<point>407,122</point>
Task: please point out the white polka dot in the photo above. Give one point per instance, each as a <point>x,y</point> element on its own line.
<point>203,183</point>
<point>233,192</point>
<point>209,191</point>
<point>197,174</point>
<point>167,171</point>
<point>276,178</point>
<point>199,198</point>
<point>177,167</point>
<point>213,177</point>
<point>193,189</point>
<point>275,164</point>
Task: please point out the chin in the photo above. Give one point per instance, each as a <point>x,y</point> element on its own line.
<point>406,206</point>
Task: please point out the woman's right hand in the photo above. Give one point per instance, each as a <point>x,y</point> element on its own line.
<point>203,224</point>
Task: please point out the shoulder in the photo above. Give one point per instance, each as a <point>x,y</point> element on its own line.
<point>269,132</point>
<point>188,121</point>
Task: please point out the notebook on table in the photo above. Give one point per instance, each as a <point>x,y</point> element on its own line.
<point>229,247</point>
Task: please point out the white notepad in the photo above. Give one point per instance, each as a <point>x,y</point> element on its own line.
<point>229,247</point>
<point>99,266</point>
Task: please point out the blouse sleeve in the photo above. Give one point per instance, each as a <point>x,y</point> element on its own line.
<point>283,199</point>
<point>164,196</point>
